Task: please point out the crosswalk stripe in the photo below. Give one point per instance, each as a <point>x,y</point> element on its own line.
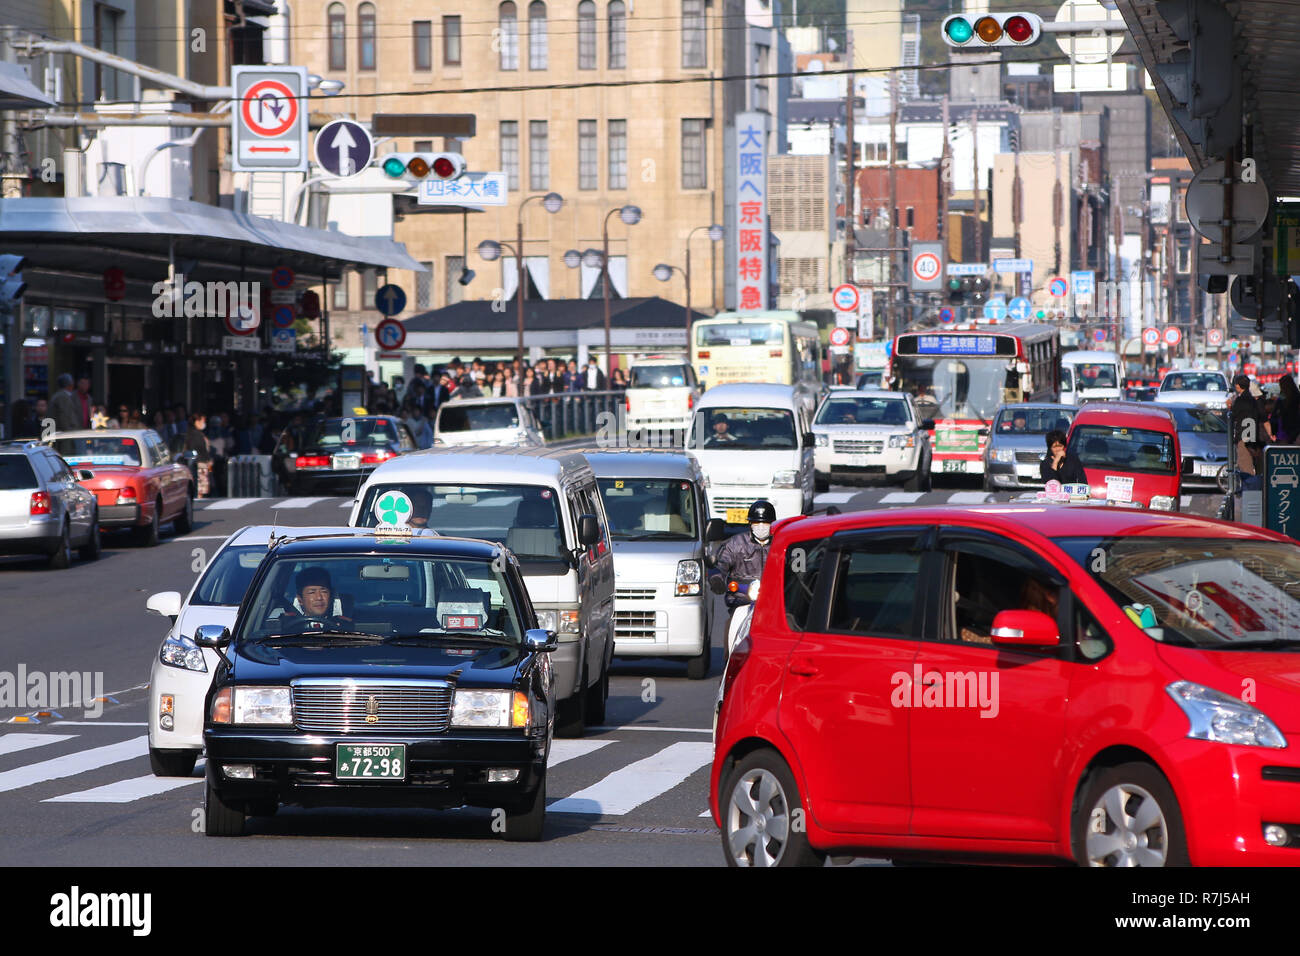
<point>630,786</point>
<point>72,764</point>
<point>968,497</point>
<point>346,504</point>
<point>229,504</point>
<point>1185,501</point>
<point>12,743</point>
<point>901,497</point>
<point>835,497</point>
<point>126,791</point>
<point>299,502</point>
<point>562,750</point>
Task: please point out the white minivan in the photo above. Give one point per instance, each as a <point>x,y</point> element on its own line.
<point>752,442</point>
<point>544,505</point>
<point>1091,377</point>
<point>661,394</point>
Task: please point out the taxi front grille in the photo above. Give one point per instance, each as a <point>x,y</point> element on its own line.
<point>634,594</point>
<point>722,502</point>
<point>635,625</point>
<point>1028,457</point>
<point>356,707</point>
<point>855,446</point>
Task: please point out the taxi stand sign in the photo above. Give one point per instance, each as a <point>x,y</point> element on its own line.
<point>1282,489</point>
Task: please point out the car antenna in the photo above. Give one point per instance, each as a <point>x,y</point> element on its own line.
<point>273,542</point>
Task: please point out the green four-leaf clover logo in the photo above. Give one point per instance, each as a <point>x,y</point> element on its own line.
<point>393,508</point>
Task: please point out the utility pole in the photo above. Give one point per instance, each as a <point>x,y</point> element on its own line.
<point>1058,194</point>
<point>850,177</point>
<point>893,201</point>
<point>975,181</point>
<point>945,181</point>
<point>1017,199</point>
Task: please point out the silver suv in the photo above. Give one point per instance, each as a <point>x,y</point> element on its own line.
<point>43,510</point>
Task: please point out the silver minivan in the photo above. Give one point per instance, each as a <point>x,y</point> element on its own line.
<point>542,504</point>
<point>659,522</point>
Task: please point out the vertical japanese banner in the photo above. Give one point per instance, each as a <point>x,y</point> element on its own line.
<point>751,212</point>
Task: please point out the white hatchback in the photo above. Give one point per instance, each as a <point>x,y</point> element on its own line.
<point>487,421</point>
<point>182,671</point>
<point>661,394</point>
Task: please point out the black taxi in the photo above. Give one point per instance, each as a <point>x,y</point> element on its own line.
<point>381,668</point>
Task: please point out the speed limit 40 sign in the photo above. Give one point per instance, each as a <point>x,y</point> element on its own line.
<point>927,266</point>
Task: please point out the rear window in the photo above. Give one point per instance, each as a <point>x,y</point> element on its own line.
<point>16,472</point>
<point>659,376</point>
<point>352,431</point>
<point>99,451</point>
<point>476,417</point>
<point>1124,449</point>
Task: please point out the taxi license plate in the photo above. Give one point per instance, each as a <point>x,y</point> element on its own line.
<point>737,515</point>
<point>954,465</point>
<point>1207,471</point>
<point>346,462</point>
<point>370,762</point>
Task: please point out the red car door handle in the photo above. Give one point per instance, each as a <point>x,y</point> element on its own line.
<point>804,667</point>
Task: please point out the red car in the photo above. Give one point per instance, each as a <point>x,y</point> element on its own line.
<point>1102,685</point>
<point>1130,453</point>
<point>136,481</point>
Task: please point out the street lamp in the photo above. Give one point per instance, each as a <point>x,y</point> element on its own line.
<point>663,272</point>
<point>490,250</point>
<point>630,215</point>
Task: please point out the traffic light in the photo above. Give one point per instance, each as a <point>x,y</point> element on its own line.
<point>12,285</point>
<point>979,289</point>
<point>956,290</point>
<point>443,166</point>
<point>1201,75</point>
<point>992,29</point>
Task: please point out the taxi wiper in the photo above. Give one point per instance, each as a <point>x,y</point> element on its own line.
<point>495,637</point>
<point>651,535</point>
<point>314,635</point>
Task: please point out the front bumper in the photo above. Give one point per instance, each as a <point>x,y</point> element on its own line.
<point>189,690</point>
<point>445,771</point>
<point>1018,475</point>
<point>788,502</point>
<point>662,626</point>
<point>1226,800</point>
<point>891,463</point>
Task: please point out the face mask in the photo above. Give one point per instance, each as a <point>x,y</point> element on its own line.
<point>761,530</point>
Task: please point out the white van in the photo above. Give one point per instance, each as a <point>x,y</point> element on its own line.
<point>1091,377</point>
<point>661,393</point>
<point>752,442</point>
<point>487,421</point>
<point>544,505</point>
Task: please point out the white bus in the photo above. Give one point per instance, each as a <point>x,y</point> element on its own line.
<point>772,348</point>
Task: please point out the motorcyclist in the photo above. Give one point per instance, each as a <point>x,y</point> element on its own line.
<point>742,557</point>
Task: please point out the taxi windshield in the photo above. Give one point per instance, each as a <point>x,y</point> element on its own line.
<point>464,418</point>
<point>1194,382</point>
<point>855,410</point>
<point>377,597</point>
<point>1096,375</point>
<point>1214,593</point>
<point>98,450</point>
<point>525,518</point>
<point>641,509</point>
<point>1123,449</point>
<point>747,428</point>
<point>1200,420</point>
<point>228,576</point>
<point>1032,421</point>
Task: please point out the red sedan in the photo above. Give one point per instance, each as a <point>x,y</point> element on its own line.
<point>136,481</point>
<point>1108,686</point>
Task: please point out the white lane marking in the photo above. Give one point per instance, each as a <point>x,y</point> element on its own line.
<point>562,750</point>
<point>1185,501</point>
<point>229,504</point>
<point>707,813</point>
<point>628,787</point>
<point>835,497</point>
<point>673,730</point>
<point>72,764</point>
<point>346,504</point>
<point>300,502</point>
<point>12,743</point>
<point>901,497</point>
<point>126,791</point>
<point>968,497</point>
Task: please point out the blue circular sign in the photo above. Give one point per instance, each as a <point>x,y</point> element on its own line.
<point>1019,308</point>
<point>283,316</point>
<point>1099,335</point>
<point>995,309</point>
<point>1058,287</point>
<point>281,277</point>
<point>945,315</point>
<point>390,299</point>
<point>344,148</point>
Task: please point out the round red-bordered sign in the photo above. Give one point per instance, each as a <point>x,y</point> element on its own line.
<point>1173,335</point>
<point>390,334</point>
<point>840,336</point>
<point>1150,336</point>
<point>1214,337</point>
<point>244,321</point>
<point>278,122</point>
<point>926,267</point>
<point>846,298</point>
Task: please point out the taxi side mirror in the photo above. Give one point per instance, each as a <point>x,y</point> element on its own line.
<point>588,531</point>
<point>1025,629</point>
<point>809,439</point>
<point>537,640</point>
<point>927,425</point>
<point>212,635</point>
<point>715,530</point>
<point>166,603</point>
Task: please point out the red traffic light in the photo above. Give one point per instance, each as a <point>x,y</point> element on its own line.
<point>1018,28</point>
<point>443,167</point>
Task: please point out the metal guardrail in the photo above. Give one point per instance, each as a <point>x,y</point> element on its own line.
<point>574,414</point>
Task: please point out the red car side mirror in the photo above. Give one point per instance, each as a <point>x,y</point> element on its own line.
<point>1025,629</point>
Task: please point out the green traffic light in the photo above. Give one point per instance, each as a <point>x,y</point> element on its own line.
<point>394,167</point>
<point>959,30</point>
<point>954,284</point>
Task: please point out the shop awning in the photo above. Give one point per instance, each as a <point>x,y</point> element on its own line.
<point>17,92</point>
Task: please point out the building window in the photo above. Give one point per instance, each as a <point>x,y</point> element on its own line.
<point>617,35</point>
<point>452,145</point>
<point>693,42</point>
<point>451,41</point>
<point>539,155</point>
<point>762,63</point>
<point>455,265</point>
<point>508,24</point>
<point>537,35</point>
<point>693,158</point>
<point>424,287</point>
<point>341,293</point>
<point>911,216</point>
<point>338,30</point>
<point>369,286</point>
<point>588,161</point>
<point>587,35</point>
<point>366,36</point>
<point>618,154</point>
<point>423,34</point>
<point>422,146</point>
<point>510,153</point>
<point>109,84</point>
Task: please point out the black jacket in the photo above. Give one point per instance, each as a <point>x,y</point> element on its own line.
<point>1070,473</point>
<point>741,558</point>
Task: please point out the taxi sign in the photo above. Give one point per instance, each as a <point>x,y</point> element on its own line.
<point>393,509</point>
<point>1282,489</point>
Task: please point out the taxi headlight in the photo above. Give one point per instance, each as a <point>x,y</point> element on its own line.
<point>902,441</point>
<point>183,653</point>
<point>561,622</point>
<point>689,575</point>
<point>821,439</point>
<point>1005,455</point>
<point>1222,718</point>
<point>482,708</point>
<point>785,479</point>
<point>1162,503</point>
<point>263,705</point>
